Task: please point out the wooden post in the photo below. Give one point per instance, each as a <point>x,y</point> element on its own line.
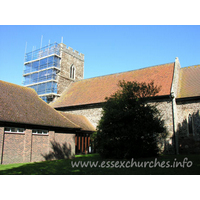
<point>86,146</point>
<point>78,143</point>
<point>89,144</point>
<point>81,143</point>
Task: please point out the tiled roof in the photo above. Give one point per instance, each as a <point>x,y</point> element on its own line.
<point>20,104</point>
<point>80,120</point>
<point>189,82</point>
<point>94,90</point>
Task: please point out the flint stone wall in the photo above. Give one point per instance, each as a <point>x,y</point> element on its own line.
<point>188,142</point>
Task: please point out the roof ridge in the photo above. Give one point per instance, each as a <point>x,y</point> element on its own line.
<point>190,66</point>
<point>20,86</point>
<point>78,116</point>
<point>67,118</point>
<point>122,72</point>
<point>37,102</point>
<point>11,83</point>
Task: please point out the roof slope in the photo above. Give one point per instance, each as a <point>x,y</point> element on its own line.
<point>80,120</point>
<point>94,90</point>
<point>20,104</point>
<point>189,82</point>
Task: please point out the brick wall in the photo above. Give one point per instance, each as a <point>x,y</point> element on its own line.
<point>70,138</point>
<point>40,146</point>
<point>13,151</point>
<point>28,147</point>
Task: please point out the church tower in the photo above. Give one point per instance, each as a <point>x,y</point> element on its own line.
<point>51,69</point>
<point>71,67</point>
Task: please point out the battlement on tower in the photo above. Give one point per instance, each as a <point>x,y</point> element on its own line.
<point>71,52</point>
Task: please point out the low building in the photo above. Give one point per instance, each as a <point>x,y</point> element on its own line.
<point>82,139</point>
<point>28,126</point>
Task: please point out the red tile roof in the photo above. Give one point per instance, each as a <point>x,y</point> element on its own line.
<point>189,82</point>
<point>80,120</point>
<point>22,105</point>
<point>94,90</point>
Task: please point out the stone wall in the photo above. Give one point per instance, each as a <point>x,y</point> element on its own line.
<point>92,114</point>
<point>69,58</point>
<point>165,108</point>
<point>188,142</point>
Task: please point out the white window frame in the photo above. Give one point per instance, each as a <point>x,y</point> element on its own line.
<point>40,132</point>
<point>10,131</point>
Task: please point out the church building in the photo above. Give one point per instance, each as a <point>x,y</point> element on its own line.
<point>28,125</point>
<point>178,100</point>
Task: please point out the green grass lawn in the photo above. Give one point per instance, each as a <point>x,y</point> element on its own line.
<point>162,165</point>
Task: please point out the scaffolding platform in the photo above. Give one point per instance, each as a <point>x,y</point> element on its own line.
<point>41,68</point>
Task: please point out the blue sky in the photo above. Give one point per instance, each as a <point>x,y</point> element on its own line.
<point>108,49</point>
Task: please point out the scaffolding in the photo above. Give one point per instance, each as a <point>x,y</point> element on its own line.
<point>41,67</point>
<point>51,49</point>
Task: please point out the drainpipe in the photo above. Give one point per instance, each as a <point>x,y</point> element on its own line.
<point>2,152</point>
<point>175,138</point>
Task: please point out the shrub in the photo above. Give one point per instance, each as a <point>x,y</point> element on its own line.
<point>130,126</point>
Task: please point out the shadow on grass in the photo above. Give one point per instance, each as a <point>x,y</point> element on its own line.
<point>49,167</point>
<point>64,167</point>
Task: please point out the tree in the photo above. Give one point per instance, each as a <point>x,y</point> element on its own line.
<point>130,126</point>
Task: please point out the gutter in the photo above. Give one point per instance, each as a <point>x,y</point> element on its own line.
<point>36,126</point>
<point>193,98</point>
<point>99,104</point>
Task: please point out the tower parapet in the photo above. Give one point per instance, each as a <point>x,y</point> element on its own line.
<point>70,51</point>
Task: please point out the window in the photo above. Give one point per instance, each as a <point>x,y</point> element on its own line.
<point>190,124</point>
<point>39,131</point>
<point>14,130</point>
<point>72,72</point>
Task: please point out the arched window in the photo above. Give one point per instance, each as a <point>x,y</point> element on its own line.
<point>190,124</point>
<point>72,72</point>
